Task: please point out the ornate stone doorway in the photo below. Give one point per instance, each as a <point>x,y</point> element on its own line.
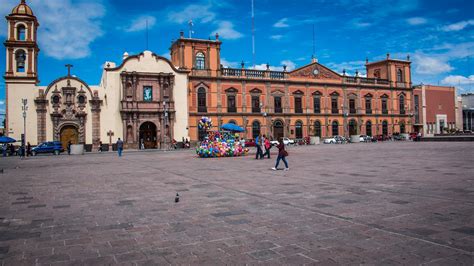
<point>148,135</point>
<point>69,133</point>
<point>278,130</point>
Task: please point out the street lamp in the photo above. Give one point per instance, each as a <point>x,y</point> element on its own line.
<point>24,108</point>
<point>165,122</point>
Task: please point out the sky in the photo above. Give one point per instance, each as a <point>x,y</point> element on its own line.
<point>438,35</point>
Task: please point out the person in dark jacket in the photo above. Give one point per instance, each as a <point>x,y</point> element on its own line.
<point>259,145</point>
<point>282,154</point>
<point>69,143</point>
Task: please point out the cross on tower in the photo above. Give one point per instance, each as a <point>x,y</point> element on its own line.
<point>69,69</point>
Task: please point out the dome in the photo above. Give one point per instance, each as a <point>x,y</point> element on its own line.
<point>22,9</point>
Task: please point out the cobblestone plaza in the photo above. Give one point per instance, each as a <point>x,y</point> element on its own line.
<point>381,203</point>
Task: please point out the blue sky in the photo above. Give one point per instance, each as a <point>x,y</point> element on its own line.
<point>438,35</point>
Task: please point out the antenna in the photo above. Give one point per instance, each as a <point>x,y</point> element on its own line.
<point>146,34</point>
<point>314,45</point>
<point>253,36</point>
<point>191,24</point>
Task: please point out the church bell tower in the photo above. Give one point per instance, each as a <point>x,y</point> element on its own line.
<point>21,46</point>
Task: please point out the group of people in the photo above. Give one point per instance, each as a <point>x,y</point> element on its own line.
<point>9,150</point>
<point>263,143</point>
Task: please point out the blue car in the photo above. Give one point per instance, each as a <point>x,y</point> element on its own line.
<point>54,147</point>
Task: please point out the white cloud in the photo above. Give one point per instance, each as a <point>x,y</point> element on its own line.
<point>349,66</point>
<point>197,13</point>
<point>140,24</point>
<point>66,29</point>
<point>458,26</point>
<point>226,30</point>
<point>282,23</point>
<point>456,80</point>
<point>230,64</point>
<point>276,37</point>
<point>430,65</point>
<point>417,21</point>
<point>289,66</point>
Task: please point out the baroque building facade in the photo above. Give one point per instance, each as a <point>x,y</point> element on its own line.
<point>312,100</point>
<point>150,100</point>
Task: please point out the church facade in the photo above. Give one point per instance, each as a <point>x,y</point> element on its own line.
<point>149,99</point>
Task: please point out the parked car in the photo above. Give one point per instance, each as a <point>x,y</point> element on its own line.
<point>335,140</point>
<point>288,141</point>
<point>54,147</point>
<point>250,143</point>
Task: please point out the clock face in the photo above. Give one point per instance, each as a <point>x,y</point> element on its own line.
<point>315,71</point>
<point>147,94</point>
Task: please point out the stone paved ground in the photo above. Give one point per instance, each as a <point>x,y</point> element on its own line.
<point>384,203</point>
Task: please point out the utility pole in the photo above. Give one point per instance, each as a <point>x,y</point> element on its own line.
<point>24,108</point>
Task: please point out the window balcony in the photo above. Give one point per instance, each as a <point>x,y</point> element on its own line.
<point>335,111</point>
<point>278,110</point>
<point>232,109</point>
<point>385,112</point>
<point>298,110</point>
<point>352,111</point>
<point>368,111</point>
<point>202,109</point>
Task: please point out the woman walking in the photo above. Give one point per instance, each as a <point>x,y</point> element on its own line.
<point>282,154</point>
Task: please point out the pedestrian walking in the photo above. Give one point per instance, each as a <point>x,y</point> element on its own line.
<point>4,150</point>
<point>268,146</point>
<point>12,150</point>
<point>28,149</point>
<point>418,136</point>
<point>69,143</point>
<point>282,154</point>
<point>258,144</point>
<point>119,147</point>
<point>100,146</point>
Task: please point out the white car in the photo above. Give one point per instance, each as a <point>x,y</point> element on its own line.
<point>330,140</point>
<point>286,141</point>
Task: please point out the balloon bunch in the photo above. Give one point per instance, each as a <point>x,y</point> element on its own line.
<point>205,123</point>
<point>222,145</point>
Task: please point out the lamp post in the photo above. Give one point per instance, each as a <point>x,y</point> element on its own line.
<point>165,118</point>
<point>24,108</point>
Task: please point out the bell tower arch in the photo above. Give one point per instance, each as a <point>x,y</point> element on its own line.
<point>21,46</point>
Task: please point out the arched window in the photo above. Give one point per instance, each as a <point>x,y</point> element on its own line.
<point>299,130</point>
<point>317,129</point>
<point>20,57</point>
<point>399,75</point>
<point>255,129</point>
<point>335,128</point>
<point>368,128</point>
<point>21,32</point>
<point>202,100</point>
<point>352,127</point>
<point>200,60</point>
<point>385,128</point>
<point>402,104</point>
<point>232,122</point>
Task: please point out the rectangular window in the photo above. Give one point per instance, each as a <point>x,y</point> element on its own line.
<point>368,105</point>
<point>384,106</point>
<point>352,106</point>
<point>255,104</point>
<point>231,107</point>
<point>317,105</point>
<point>277,102</point>
<point>298,105</point>
<point>147,93</point>
<point>334,108</point>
